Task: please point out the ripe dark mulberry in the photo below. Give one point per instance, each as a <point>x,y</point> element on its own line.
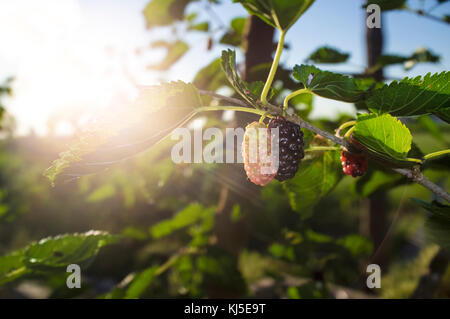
<point>353,164</point>
<point>290,143</point>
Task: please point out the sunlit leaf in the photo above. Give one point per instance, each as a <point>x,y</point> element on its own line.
<point>164,12</point>
<point>143,122</point>
<point>202,26</point>
<point>385,135</point>
<point>175,51</point>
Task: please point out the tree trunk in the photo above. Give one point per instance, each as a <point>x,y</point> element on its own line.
<point>378,202</point>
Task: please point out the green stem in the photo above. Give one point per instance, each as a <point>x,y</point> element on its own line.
<point>232,108</point>
<point>414,160</point>
<point>349,132</point>
<point>344,126</point>
<point>434,154</point>
<point>273,68</point>
<point>290,96</point>
<point>321,148</point>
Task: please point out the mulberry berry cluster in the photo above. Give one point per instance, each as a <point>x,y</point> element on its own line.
<point>290,143</point>
<point>353,164</point>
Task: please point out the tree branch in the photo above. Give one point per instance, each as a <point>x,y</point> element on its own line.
<point>414,175</point>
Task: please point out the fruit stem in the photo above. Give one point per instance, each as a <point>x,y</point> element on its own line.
<point>290,96</point>
<point>349,132</point>
<point>261,119</point>
<point>344,126</point>
<point>273,68</point>
<point>322,148</point>
<point>232,108</point>
<point>435,154</point>
<point>414,160</point>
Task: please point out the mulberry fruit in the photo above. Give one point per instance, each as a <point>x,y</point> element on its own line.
<point>353,164</point>
<point>290,147</point>
<point>256,151</point>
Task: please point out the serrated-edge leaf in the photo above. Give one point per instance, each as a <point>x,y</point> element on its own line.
<point>151,99</point>
<point>413,96</point>
<point>384,135</point>
<point>328,84</point>
<point>241,87</point>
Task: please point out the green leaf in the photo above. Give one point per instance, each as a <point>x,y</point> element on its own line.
<point>419,56</point>
<point>280,14</point>
<point>141,282</point>
<point>328,84</point>
<point>315,179</point>
<point>386,5</point>
<point>437,226</point>
<point>241,87</point>
<point>357,245</point>
<point>413,96</point>
<point>377,180</point>
<point>234,35</point>
<point>384,135</point>
<point>202,26</point>
<point>103,192</point>
<point>102,142</point>
<point>60,251</point>
<point>211,77</point>
<point>12,267</point>
<point>188,216</point>
<point>443,114</point>
<point>53,253</point>
<point>328,55</point>
<point>175,51</point>
<point>164,12</point>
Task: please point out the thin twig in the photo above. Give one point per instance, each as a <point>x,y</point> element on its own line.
<point>225,98</point>
<point>421,179</point>
<point>414,175</point>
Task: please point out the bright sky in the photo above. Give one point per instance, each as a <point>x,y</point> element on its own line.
<point>74,57</point>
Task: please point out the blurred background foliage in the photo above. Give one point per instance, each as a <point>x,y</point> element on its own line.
<point>171,220</point>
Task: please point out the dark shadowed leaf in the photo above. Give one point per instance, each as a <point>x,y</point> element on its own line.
<point>413,96</point>
<point>314,179</point>
<point>328,84</point>
<point>328,55</point>
<point>241,87</point>
<point>280,14</point>
<point>386,5</point>
<point>437,226</point>
<point>54,253</point>
<point>234,35</point>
